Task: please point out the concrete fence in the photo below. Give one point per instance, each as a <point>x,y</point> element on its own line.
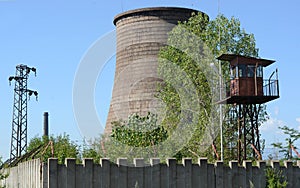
<point>122,174</point>
<point>25,175</point>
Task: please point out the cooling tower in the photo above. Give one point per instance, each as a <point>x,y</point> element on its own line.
<point>140,35</point>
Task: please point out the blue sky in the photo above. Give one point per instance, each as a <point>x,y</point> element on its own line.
<point>53,36</point>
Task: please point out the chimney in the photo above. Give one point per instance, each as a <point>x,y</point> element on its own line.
<point>46,124</point>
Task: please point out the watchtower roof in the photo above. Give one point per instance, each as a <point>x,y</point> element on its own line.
<point>239,59</point>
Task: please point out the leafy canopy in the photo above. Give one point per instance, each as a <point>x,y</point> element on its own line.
<point>63,148</point>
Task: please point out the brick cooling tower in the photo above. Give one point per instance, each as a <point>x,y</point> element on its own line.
<point>140,35</point>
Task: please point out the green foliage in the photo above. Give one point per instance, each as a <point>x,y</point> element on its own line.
<point>136,137</point>
<point>275,179</point>
<point>3,175</point>
<point>285,148</point>
<point>192,47</point>
<point>225,35</point>
<point>139,131</point>
<point>63,148</point>
<point>92,151</point>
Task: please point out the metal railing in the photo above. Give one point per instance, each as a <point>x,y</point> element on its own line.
<point>271,88</point>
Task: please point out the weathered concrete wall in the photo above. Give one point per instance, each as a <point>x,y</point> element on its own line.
<point>140,35</point>
<point>34,174</point>
<point>25,175</point>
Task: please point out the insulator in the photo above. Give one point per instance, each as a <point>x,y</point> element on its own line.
<point>10,79</point>
<point>34,70</point>
<point>36,93</point>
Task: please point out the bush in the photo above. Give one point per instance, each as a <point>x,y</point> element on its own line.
<point>275,179</point>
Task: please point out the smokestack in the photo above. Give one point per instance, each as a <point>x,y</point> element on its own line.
<point>46,124</point>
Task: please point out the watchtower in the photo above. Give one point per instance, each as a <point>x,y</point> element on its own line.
<point>247,90</point>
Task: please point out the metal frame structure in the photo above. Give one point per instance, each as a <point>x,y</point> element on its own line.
<point>246,117</point>
<point>19,119</point>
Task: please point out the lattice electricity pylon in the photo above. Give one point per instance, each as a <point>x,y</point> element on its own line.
<point>19,119</point>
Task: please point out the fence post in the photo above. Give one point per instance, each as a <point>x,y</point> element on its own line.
<point>88,165</point>
<point>155,174</point>
<point>262,180</point>
<point>172,172</point>
<point>105,171</point>
<point>289,173</point>
<point>233,179</point>
<point>139,165</point>
<point>187,163</point>
<point>71,172</point>
<point>219,174</point>
<point>52,173</point>
<point>202,178</point>
<point>248,173</point>
<point>123,172</point>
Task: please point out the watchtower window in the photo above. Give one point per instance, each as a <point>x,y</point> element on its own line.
<point>242,70</point>
<point>259,71</point>
<point>250,71</point>
<point>234,72</point>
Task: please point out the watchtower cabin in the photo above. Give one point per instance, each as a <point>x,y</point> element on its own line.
<point>247,84</point>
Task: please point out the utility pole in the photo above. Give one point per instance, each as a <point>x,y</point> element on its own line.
<point>19,119</point>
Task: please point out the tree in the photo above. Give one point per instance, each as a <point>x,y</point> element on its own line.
<point>3,175</point>
<point>192,46</point>
<point>286,148</point>
<point>62,147</point>
<point>92,151</point>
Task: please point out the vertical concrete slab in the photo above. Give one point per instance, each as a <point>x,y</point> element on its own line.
<point>61,176</point>
<point>44,175</point>
<point>88,165</point>
<point>227,175</point>
<point>233,177</point>
<point>52,172</point>
<point>114,175</point>
<point>71,172</point>
<point>79,176</point>
<point>289,173</point>
<point>147,176</point>
<point>261,183</point>
<point>242,176</point>
<point>97,176</point>
<point>200,173</point>
<point>297,174</point>
<point>248,176</point>
<point>105,172</point>
<point>123,172</point>
<point>139,165</point>
<point>211,177</point>
<point>187,163</point>
<point>171,172</point>
<point>155,174</point>
<point>164,177</point>
<point>219,174</point>
<point>180,181</point>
